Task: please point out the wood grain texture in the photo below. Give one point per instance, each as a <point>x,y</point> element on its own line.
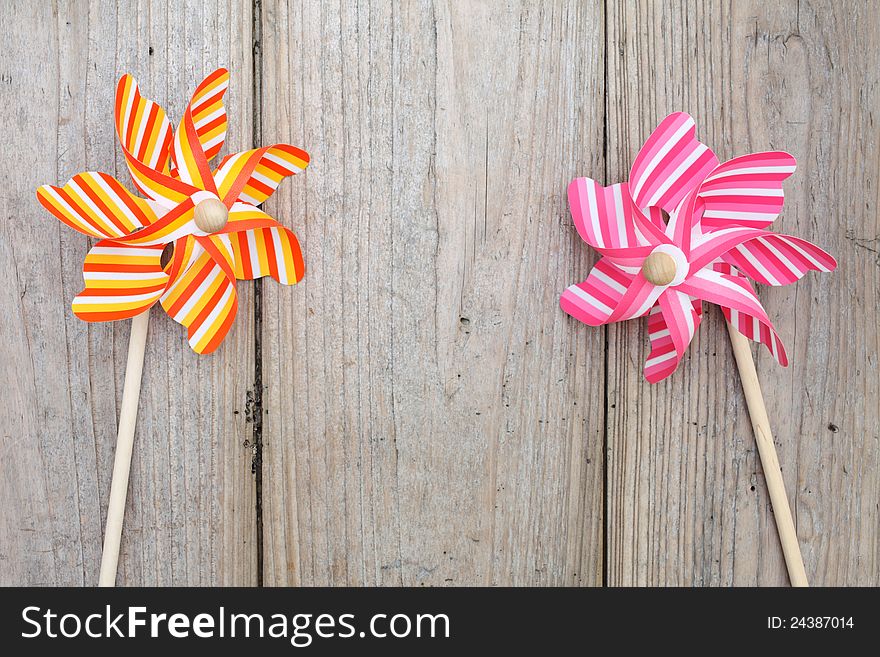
<point>687,501</point>
<point>431,417</point>
<point>190,515</point>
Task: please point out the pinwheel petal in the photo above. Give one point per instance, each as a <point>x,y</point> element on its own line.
<point>202,297</point>
<point>145,136</point>
<point>252,176</point>
<point>244,216</point>
<point>593,300</point>
<point>656,217</point>
<point>606,218</point>
<point>186,250</point>
<point>664,357</point>
<point>746,191</point>
<point>143,129</point>
<point>201,132</point>
<point>708,247</point>
<point>757,331</point>
<point>96,204</point>
<point>271,252</point>
<point>682,220</point>
<point>121,281</point>
<point>166,191</point>
<point>775,259</point>
<point>639,298</point>
<point>740,305</point>
<point>670,164</point>
<point>681,319</point>
<point>208,112</point>
<point>609,294</point>
<point>174,225</point>
<point>219,247</point>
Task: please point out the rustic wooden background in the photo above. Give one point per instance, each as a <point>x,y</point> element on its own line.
<point>418,410</point>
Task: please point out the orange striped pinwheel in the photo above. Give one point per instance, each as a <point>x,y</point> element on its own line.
<point>210,217</point>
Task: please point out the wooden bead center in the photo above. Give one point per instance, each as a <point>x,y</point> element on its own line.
<point>659,268</point>
<point>211,215</point>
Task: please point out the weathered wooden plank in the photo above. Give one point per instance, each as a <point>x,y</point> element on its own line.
<point>431,416</point>
<point>687,502</point>
<point>190,516</point>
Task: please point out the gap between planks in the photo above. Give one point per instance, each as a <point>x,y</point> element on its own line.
<point>257,408</point>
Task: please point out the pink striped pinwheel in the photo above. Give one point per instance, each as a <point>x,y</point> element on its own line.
<point>713,239</point>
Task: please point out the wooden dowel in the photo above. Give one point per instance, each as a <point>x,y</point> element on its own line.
<point>794,562</point>
<point>131,392</point>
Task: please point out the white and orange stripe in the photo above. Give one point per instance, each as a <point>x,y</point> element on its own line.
<point>143,129</point>
<point>176,223</point>
<point>252,176</point>
<point>121,281</point>
<point>145,137</point>
<point>202,295</point>
<point>96,204</point>
<point>208,113</point>
<point>201,132</point>
<point>123,272</point>
<point>271,252</point>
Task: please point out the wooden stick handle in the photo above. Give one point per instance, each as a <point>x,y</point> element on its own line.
<point>131,392</point>
<point>769,461</point>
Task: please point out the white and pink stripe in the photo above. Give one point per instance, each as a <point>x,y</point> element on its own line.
<point>746,191</point>
<point>606,218</point>
<point>717,215</point>
<point>671,163</point>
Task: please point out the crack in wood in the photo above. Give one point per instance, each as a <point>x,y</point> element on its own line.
<point>257,406</point>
